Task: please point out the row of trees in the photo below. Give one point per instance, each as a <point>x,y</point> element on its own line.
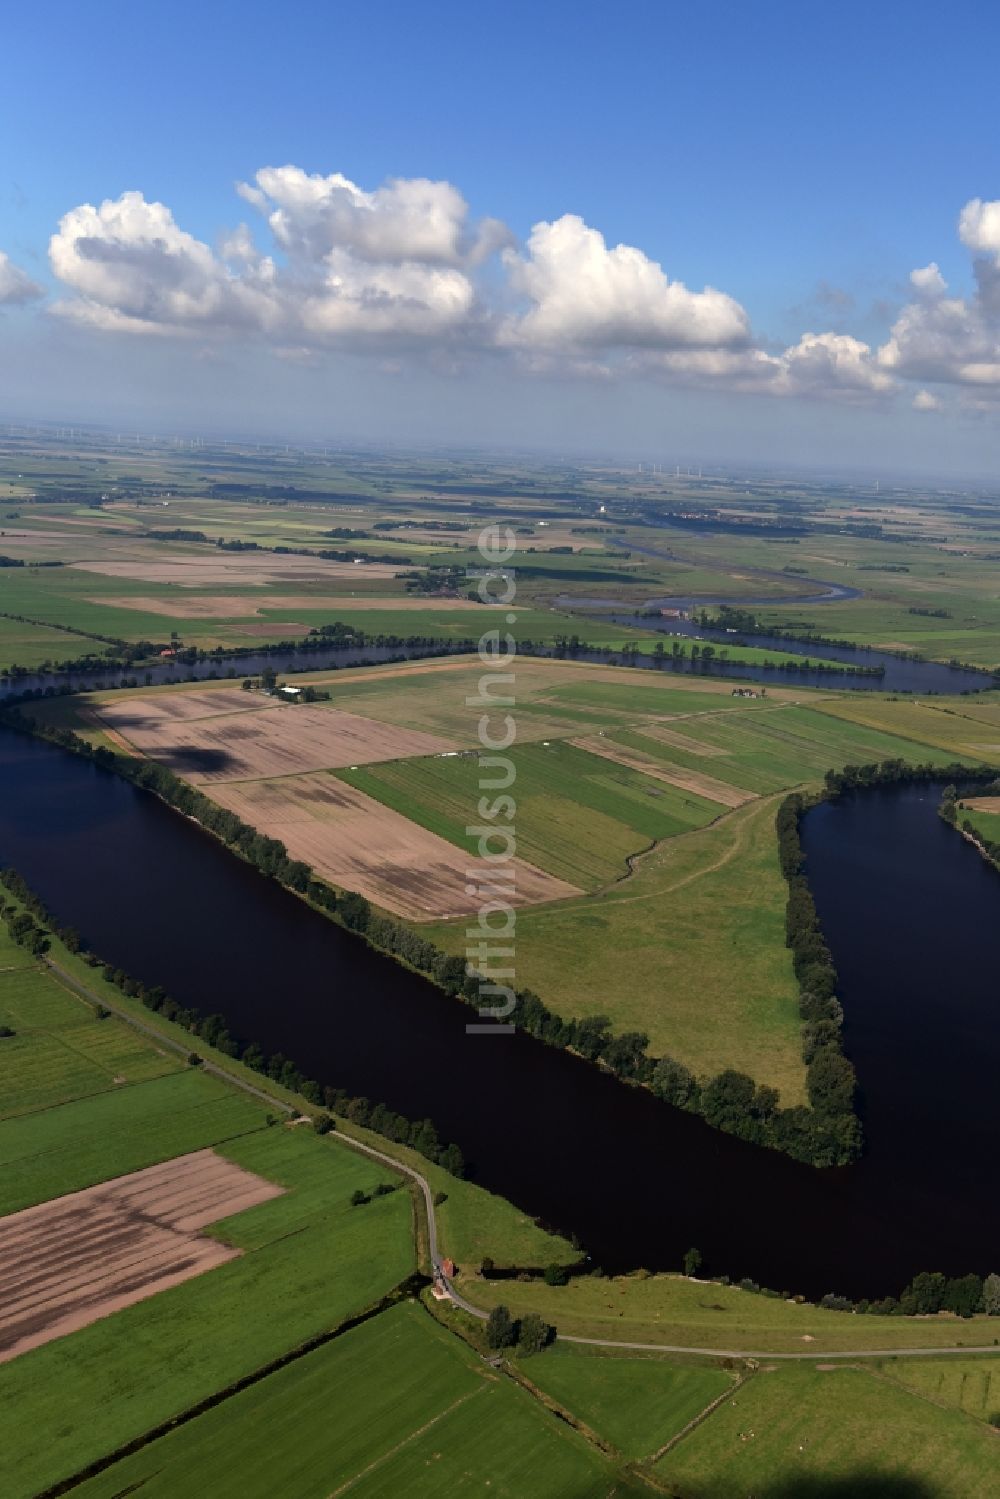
<point>823,1135</point>
<point>22,924</point>
<point>902,773</point>
<point>928,1293</point>
<point>702,654</point>
<point>830,1078</point>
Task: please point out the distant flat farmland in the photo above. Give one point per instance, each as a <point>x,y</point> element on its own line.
<point>238,568</point>
<point>351,839</point>
<point>247,745</point>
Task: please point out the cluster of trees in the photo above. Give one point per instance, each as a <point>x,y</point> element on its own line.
<point>360,1198</point>
<point>529,1334</point>
<point>26,922</point>
<point>440,578</point>
<point>928,1293</point>
<point>178,534</point>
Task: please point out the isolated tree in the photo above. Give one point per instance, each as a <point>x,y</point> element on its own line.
<point>533,1334</point>
<point>500,1329</point>
<point>556,1275</point>
<point>692,1262</point>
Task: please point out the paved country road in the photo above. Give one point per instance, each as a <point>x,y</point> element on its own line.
<point>432,1242</point>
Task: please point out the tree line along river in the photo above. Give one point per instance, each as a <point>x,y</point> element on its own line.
<point>910,911</point>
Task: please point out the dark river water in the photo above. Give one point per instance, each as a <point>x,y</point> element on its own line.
<point>911,912</point>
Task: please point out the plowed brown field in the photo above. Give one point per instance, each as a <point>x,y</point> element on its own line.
<point>68,1262</point>
<point>356,842</point>
<point>281,739</point>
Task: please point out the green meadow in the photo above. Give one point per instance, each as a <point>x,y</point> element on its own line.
<point>971,1385</point>
<point>797,1430</point>
<point>60,1051</point>
<point>396,1406</point>
<point>637,1402</point>
<point>74,1145</point>
<point>578,816</point>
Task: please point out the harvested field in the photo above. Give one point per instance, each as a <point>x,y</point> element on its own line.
<point>244,746</point>
<point>216,606</point>
<point>171,707</point>
<point>71,1261</point>
<point>240,568</point>
<point>354,841</point>
<point>982,804</point>
<point>687,780</point>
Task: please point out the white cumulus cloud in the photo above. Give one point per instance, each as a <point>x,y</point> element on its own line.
<point>406,220</point>
<point>979,227</point>
<point>941,338</point>
<point>133,269</point>
<point>581,294</point>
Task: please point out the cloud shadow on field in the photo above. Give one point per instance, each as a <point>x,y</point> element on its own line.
<point>189,760</point>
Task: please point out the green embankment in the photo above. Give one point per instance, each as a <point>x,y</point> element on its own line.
<point>670,1310</point>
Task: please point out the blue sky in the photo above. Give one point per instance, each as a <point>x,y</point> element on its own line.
<point>803,160</point>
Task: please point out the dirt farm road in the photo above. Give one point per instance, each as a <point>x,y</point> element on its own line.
<point>455,1296</point>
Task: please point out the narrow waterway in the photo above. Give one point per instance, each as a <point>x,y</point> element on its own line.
<point>894,673</point>
<point>911,911</point>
